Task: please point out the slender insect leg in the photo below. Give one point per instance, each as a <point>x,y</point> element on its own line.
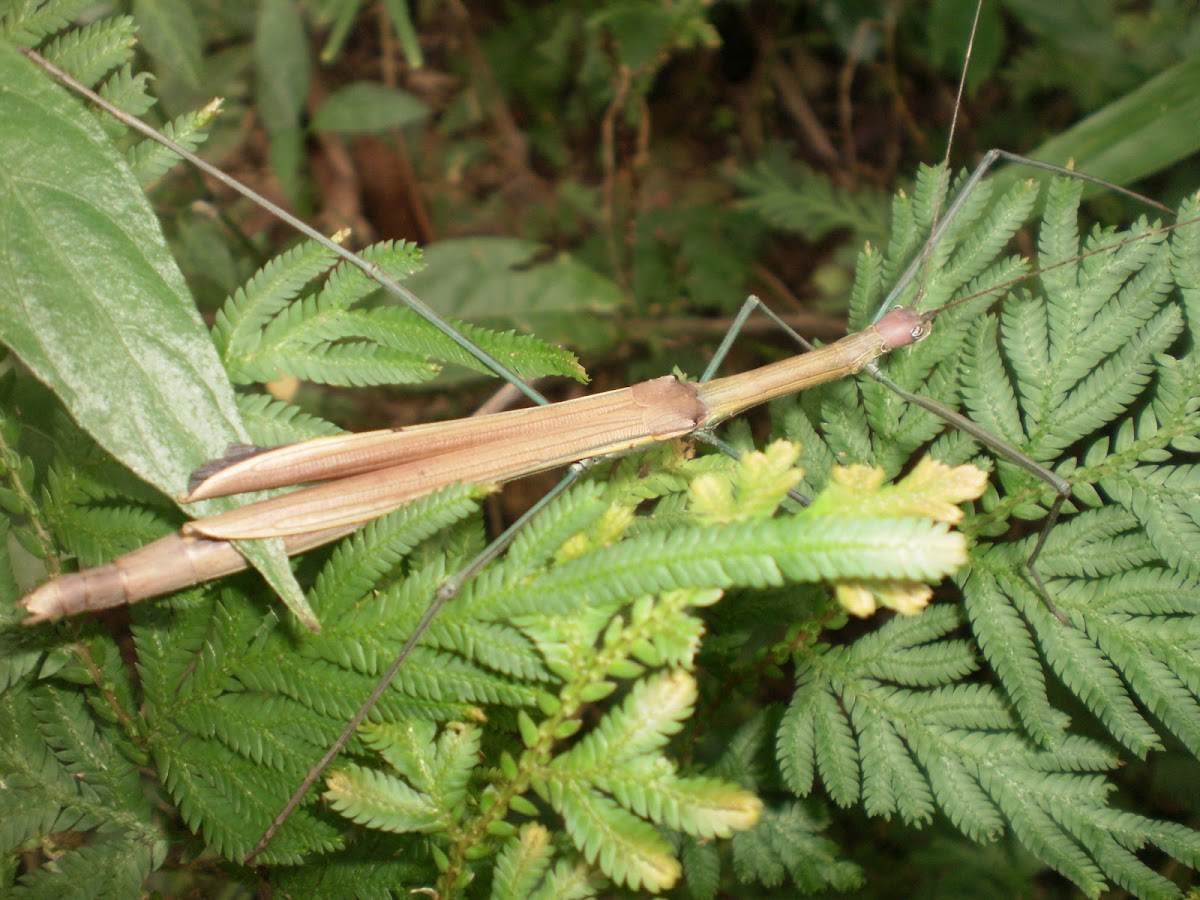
<point>449,589</point>
<point>751,305</point>
<point>1061,486</point>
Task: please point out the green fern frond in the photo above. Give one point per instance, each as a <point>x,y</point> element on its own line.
<point>412,750</point>
<point>1006,643</point>
<point>94,50</point>
<point>208,667</point>
<point>88,503</point>
<point>403,330</point>
<point>341,362</point>
<point>575,881</point>
<point>436,773</point>
<point>20,654</point>
<point>358,565</point>
<point>319,339</point>
<point>150,160</point>
<point>653,712</point>
<point>701,868</point>
<point>450,679</point>
<point>127,91</point>
<point>610,784</point>
<point>31,22</point>
<point>73,781</point>
<point>71,734</point>
<point>267,731</point>
<point>110,867</point>
<point>704,808</point>
<point>1094,675</point>
<point>87,53</point>
<point>960,747</point>
<point>626,848</point>
<point>756,554</point>
<point>1161,498</point>
<point>97,533</point>
<point>237,329</point>
<point>272,423</point>
<point>788,843</point>
<point>892,781</point>
<point>267,329</point>
<point>232,810</point>
<point>837,757</point>
<point>380,801</point>
<point>371,868</point>
<point>575,512</point>
<point>348,284</point>
<point>313,683</point>
<point>523,863</point>
<point>796,198</point>
<point>1086,365</point>
<point>496,646</point>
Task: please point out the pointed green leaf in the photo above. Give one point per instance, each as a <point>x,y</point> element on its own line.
<point>94,305</point>
<point>367,107</point>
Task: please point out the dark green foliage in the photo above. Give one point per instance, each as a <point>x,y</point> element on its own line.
<point>271,329</point>
<point>590,715</point>
<point>69,768</point>
<point>787,844</point>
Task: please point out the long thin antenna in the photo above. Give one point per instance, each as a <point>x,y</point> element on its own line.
<point>931,314</point>
<point>944,178</point>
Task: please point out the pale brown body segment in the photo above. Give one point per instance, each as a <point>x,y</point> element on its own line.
<point>416,461</point>
<point>169,564</point>
<point>367,475</point>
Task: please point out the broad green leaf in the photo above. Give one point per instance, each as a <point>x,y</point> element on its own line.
<point>93,303</point>
<point>379,801</point>
<point>366,107</point>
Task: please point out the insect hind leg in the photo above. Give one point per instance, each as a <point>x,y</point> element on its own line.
<point>751,305</point>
